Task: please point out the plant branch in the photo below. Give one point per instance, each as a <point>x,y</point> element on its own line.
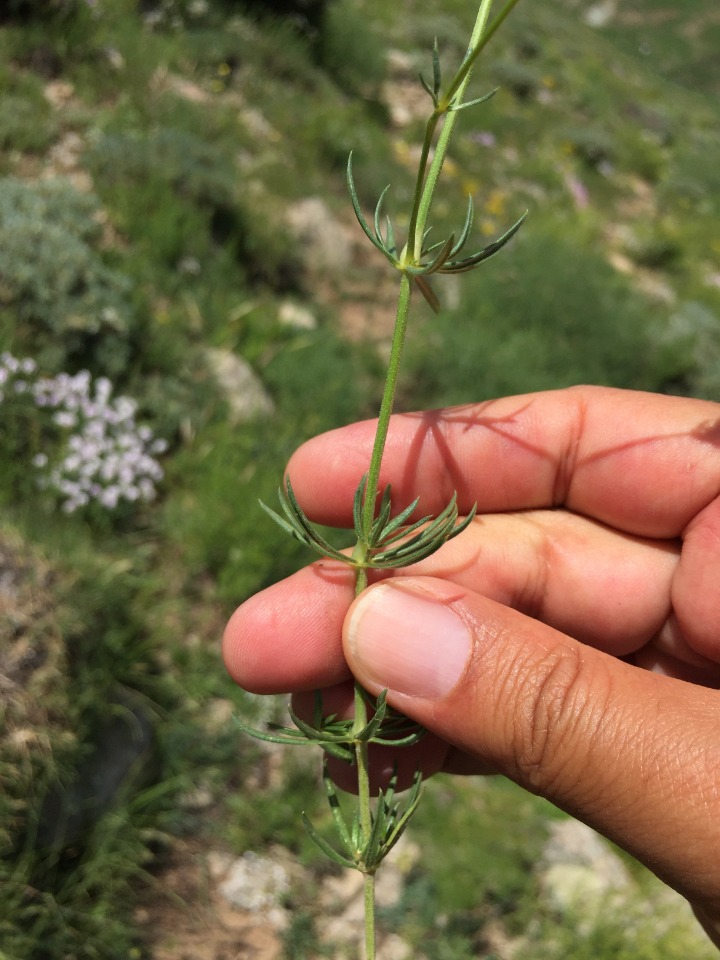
<point>453,98</point>
<point>386,407</point>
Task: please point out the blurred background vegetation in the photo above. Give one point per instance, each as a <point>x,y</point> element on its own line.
<point>173,216</point>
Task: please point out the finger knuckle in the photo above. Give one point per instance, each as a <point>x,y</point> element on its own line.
<point>556,705</point>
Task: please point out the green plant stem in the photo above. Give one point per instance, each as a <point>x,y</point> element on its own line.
<point>386,405</point>
<point>421,207</point>
<point>425,189</point>
<point>363,775</point>
<point>365,810</point>
<point>422,200</point>
<point>368,516</point>
<point>479,40</point>
<point>369,879</point>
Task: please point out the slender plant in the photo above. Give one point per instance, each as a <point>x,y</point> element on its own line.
<point>384,537</point>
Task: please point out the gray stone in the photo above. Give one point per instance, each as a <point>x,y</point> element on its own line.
<point>244,391</point>
<point>296,316</point>
<point>323,241</point>
<point>580,872</point>
<point>257,884</point>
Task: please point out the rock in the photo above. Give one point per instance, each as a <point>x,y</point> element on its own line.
<point>58,92</point>
<point>405,98</point>
<point>123,756</point>
<point>580,872</point>
<point>244,391</point>
<point>601,14</point>
<point>583,879</point>
<point>323,241</point>
<point>199,798</point>
<point>218,714</point>
<point>218,863</point>
<point>257,884</point>
<point>64,156</point>
<point>64,160</point>
<point>394,947</point>
<point>258,125</point>
<point>294,315</point>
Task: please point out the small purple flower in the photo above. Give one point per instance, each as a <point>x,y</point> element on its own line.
<point>484,138</point>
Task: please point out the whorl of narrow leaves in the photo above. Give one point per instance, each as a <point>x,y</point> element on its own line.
<point>389,820</point>
<point>440,257</point>
<point>392,542</point>
<point>338,737</point>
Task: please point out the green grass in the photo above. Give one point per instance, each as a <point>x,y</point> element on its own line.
<point>495,863</point>
<point>632,935</point>
<point>559,327</point>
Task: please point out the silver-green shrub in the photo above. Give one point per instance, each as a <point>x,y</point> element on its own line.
<point>63,302</point>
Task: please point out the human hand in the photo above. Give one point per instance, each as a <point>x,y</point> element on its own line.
<point>569,638</point>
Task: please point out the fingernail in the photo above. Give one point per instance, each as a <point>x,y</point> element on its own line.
<point>408,641</point>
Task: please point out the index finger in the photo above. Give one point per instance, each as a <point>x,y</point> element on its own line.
<point>642,463</point>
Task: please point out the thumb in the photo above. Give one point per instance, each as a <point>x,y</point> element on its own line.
<point>630,752</point>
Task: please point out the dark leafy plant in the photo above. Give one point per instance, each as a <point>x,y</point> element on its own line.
<point>39,9</point>
<point>180,196</point>
<point>349,51</point>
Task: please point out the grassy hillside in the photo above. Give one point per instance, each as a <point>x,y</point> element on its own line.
<point>174,221</point>
<point>676,40</point>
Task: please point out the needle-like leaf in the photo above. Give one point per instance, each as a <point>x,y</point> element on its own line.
<point>462,266</point>
<point>358,212</point>
<point>455,108</point>
<point>398,521</point>
<point>410,808</point>
<point>336,809</point>
<point>378,210</point>
<point>291,738</point>
<point>437,73</point>
<point>321,736</point>
<point>428,88</point>
<point>390,238</point>
<point>428,293</point>
<point>326,848</point>
<point>462,239</point>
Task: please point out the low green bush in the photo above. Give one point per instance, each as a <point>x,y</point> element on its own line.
<point>546,314</point>
<point>21,96</point>
<point>308,14</point>
<point>317,382</point>
<point>350,51</point>
<point>593,145</point>
<point>178,196</point>
<point>66,306</point>
<point>518,77</point>
<point>38,9</point>
<point>191,166</point>
<point>216,521</point>
<point>72,648</point>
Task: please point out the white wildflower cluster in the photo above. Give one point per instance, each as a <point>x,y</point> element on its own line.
<point>105,456</point>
